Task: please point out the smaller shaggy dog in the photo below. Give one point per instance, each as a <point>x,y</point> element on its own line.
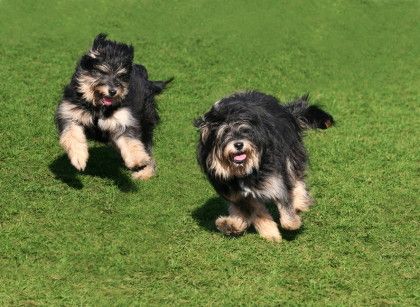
<point>252,152</point>
<point>111,100</point>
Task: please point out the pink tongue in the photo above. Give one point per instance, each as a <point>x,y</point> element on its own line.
<point>106,101</point>
<point>239,158</point>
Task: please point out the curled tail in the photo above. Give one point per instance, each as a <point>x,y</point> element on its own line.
<point>309,116</point>
<point>159,86</point>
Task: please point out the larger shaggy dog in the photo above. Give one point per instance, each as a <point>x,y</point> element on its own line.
<point>252,152</point>
<point>110,99</point>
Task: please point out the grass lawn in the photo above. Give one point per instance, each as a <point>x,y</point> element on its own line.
<point>99,238</point>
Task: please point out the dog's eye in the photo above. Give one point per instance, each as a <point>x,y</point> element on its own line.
<point>245,130</point>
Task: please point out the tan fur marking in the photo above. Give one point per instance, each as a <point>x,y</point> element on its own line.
<point>264,223</point>
<point>146,173</point>
<point>219,162</point>
<point>289,219</point>
<point>132,152</point>
<point>290,222</point>
<point>301,199</point>
<point>103,68</point>
<point>289,169</point>
<point>69,111</point>
<point>86,87</point>
<point>118,122</point>
<point>204,133</point>
<point>234,224</point>
<point>121,71</point>
<point>73,140</point>
<point>93,53</point>
<point>231,225</point>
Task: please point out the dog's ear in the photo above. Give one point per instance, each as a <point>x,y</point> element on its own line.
<point>88,62</point>
<point>201,124</point>
<point>99,41</point>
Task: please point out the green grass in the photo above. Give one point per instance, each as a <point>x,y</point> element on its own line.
<point>98,238</point>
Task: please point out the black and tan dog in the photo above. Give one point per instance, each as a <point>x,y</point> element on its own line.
<point>252,152</point>
<point>110,99</point>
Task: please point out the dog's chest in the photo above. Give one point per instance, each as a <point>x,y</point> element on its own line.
<point>117,122</point>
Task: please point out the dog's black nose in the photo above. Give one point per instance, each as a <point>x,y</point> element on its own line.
<point>112,92</point>
<point>239,145</point>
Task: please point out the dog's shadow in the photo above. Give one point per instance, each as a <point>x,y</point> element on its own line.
<point>207,214</point>
<point>103,162</point>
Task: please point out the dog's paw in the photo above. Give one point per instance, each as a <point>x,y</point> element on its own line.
<point>79,157</point>
<point>231,226</point>
<point>268,229</point>
<point>146,172</point>
<point>273,236</point>
<point>137,160</point>
<point>291,222</point>
<point>303,205</point>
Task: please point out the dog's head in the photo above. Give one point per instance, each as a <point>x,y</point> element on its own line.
<point>229,145</point>
<point>103,74</point>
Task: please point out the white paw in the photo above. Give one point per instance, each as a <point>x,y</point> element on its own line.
<point>79,157</point>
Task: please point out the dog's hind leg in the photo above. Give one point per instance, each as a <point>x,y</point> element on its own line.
<point>136,157</point>
<point>74,142</point>
<point>235,223</point>
<point>289,219</point>
<point>263,222</point>
<point>300,197</point>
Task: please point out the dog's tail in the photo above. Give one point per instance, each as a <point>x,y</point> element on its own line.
<point>309,116</point>
<point>159,86</point>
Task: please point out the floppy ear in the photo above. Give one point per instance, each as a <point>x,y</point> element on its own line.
<point>201,124</point>
<point>98,41</point>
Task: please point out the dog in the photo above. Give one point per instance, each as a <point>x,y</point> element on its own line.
<point>110,99</point>
<point>252,152</point>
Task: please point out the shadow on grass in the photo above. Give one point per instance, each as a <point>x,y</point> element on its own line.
<point>103,162</point>
<point>217,206</point>
<point>209,212</point>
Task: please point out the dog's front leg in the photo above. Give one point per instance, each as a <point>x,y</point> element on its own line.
<point>74,142</point>
<point>263,221</point>
<point>135,157</point>
<point>235,223</point>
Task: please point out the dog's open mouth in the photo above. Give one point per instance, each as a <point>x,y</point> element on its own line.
<point>106,101</point>
<point>239,158</point>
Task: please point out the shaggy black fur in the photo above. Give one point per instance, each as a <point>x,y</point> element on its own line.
<point>106,81</point>
<point>274,133</point>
